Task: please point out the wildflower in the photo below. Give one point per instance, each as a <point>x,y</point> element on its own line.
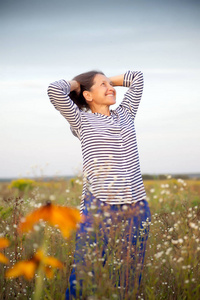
<point>27,268</point>
<point>36,227</point>
<point>152,190</point>
<point>22,184</point>
<point>174,242</point>
<point>186,281</point>
<point>180,259</point>
<point>124,207</point>
<point>193,225</point>
<point>78,181</point>
<point>89,229</point>
<point>106,214</point>
<point>64,218</point>
<point>109,221</point>
<point>168,250</point>
<point>4,243</point>
<point>180,180</point>
<point>90,274</point>
<point>52,198</point>
<point>93,206</point>
<point>163,192</point>
<point>159,254</point>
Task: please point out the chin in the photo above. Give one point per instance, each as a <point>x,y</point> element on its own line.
<point>112,101</point>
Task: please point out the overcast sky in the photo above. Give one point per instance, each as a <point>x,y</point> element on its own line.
<point>43,41</point>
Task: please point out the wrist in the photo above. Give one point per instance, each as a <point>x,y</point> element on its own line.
<point>117,80</point>
<point>75,86</point>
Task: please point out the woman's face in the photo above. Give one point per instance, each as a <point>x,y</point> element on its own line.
<point>102,91</point>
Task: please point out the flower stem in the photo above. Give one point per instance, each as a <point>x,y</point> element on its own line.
<point>39,284</point>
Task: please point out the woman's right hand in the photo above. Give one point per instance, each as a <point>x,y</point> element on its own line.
<point>75,86</point>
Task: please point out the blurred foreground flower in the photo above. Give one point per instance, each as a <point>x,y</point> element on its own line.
<point>4,243</point>
<point>27,268</point>
<point>64,218</point>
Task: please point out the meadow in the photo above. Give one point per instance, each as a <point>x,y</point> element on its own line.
<point>172,261</point>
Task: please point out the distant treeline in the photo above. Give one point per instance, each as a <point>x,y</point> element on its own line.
<point>162,177</point>
<point>144,176</point>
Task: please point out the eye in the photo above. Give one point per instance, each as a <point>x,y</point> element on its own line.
<point>103,83</point>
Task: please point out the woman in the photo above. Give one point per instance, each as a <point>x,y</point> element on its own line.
<point>111,168</point>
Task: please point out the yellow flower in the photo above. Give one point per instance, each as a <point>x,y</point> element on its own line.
<point>65,218</point>
<point>22,184</point>
<point>27,268</point>
<point>4,243</point>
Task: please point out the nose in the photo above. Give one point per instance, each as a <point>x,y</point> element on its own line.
<point>110,87</point>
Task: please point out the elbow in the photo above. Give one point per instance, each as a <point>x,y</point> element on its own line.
<point>140,73</point>
<point>49,89</point>
<point>140,76</point>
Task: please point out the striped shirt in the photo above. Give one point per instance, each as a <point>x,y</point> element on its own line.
<point>111,168</point>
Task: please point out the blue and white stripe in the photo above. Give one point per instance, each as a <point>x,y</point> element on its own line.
<point>111,168</point>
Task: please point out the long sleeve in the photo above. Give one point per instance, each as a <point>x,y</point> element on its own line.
<point>58,93</point>
<point>131,101</point>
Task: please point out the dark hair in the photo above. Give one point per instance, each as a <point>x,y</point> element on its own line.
<point>86,81</point>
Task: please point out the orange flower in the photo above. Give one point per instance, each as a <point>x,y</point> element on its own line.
<point>27,268</point>
<point>64,218</point>
<point>3,259</point>
<point>4,243</point>
<point>22,268</point>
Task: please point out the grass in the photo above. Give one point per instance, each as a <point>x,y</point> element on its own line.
<point>171,269</point>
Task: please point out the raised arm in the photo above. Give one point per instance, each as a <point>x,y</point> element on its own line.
<point>117,80</point>
<point>58,93</point>
<point>133,80</point>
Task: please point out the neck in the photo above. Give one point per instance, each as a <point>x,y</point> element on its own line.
<point>101,110</point>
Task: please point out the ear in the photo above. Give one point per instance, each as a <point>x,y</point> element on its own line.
<point>87,95</point>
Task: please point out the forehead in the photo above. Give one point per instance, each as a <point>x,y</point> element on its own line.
<point>100,78</point>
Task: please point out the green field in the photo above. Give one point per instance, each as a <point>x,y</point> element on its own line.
<point>172,262</point>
